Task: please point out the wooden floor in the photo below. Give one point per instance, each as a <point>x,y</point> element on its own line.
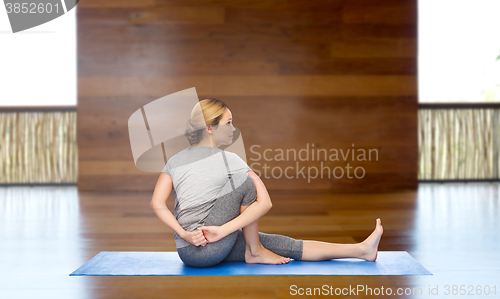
<point>48,232</point>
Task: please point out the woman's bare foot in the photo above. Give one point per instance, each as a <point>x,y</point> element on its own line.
<point>264,256</point>
<point>370,244</point>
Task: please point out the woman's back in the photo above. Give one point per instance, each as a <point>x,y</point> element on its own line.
<point>200,175</point>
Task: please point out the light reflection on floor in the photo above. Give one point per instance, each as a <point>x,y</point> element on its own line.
<point>40,242</point>
<point>457,238</point>
<point>454,234</point>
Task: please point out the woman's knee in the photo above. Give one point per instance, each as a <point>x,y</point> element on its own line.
<point>193,258</point>
<point>208,255</point>
<point>203,263</point>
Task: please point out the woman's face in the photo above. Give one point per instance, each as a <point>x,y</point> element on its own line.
<point>223,134</point>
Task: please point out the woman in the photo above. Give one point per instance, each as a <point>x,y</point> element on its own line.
<point>219,199</point>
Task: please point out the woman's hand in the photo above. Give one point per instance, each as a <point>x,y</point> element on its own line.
<point>195,237</point>
<point>212,233</point>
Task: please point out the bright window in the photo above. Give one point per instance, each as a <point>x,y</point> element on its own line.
<point>38,65</point>
<point>459,50</point>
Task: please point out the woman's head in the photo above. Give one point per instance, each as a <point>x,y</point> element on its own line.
<point>210,124</point>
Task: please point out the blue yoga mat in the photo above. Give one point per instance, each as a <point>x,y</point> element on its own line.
<point>118,263</point>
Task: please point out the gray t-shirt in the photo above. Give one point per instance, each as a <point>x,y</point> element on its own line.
<point>200,175</point>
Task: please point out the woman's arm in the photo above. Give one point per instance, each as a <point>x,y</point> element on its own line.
<point>255,210</point>
<point>162,191</point>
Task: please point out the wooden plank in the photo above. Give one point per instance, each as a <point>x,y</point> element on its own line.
<point>179,67</point>
<point>375,47</point>
<point>349,66</point>
<point>379,31</point>
<point>363,85</point>
<point>115,3</point>
<point>95,33</point>
<point>145,15</point>
<point>379,12</point>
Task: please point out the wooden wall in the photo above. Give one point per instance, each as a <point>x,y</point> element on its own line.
<point>295,73</point>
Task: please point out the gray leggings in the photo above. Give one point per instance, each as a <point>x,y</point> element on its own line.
<point>232,246</point>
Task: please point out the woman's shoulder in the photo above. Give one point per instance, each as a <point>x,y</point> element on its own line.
<point>178,156</point>
<point>234,156</point>
<point>236,161</point>
<point>172,162</point>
